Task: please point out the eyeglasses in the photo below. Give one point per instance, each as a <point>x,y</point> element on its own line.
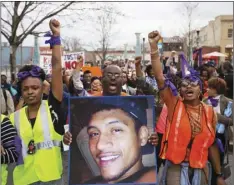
<point>111,75</point>
<point>185,83</point>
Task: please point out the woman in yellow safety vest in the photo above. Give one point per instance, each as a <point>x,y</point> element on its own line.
<point>39,124</point>
<point>8,144</point>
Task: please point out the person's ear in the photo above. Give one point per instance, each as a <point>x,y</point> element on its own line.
<point>143,135</point>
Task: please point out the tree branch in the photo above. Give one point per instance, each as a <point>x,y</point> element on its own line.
<point>7,9</point>
<point>24,35</point>
<point>7,22</point>
<point>6,35</point>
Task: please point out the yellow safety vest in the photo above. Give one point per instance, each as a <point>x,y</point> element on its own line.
<point>3,166</point>
<point>46,164</point>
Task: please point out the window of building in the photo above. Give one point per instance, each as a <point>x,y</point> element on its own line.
<point>230,33</point>
<point>205,37</point>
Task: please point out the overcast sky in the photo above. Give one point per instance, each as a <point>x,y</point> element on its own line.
<point>144,17</point>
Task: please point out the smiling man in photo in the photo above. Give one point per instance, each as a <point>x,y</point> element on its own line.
<point>116,137</point>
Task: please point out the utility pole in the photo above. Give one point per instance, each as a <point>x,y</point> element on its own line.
<point>21,55</point>
<point>143,51</point>
<point>36,53</point>
<point>138,45</point>
<point>1,34</point>
<point>198,31</point>
<point>125,51</point>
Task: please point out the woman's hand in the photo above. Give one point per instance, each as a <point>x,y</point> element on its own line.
<point>220,181</point>
<point>153,38</point>
<point>55,27</point>
<point>67,138</point>
<point>2,151</point>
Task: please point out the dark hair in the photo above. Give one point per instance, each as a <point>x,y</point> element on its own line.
<point>95,78</point>
<point>204,69</point>
<point>29,68</point>
<point>218,84</point>
<point>148,68</point>
<point>137,123</point>
<point>228,66</point>
<point>86,72</point>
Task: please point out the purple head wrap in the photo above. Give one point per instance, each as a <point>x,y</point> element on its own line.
<point>36,71</point>
<point>188,72</point>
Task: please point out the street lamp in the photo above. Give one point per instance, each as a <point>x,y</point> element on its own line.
<point>138,44</point>
<point>198,31</point>
<point>143,51</point>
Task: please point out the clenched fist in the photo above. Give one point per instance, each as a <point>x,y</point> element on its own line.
<point>55,27</point>
<point>80,61</point>
<point>153,38</point>
<point>138,61</point>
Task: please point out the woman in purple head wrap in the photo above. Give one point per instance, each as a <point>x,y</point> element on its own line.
<point>190,128</point>
<point>39,124</point>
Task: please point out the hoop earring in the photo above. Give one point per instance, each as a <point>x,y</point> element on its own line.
<point>182,98</point>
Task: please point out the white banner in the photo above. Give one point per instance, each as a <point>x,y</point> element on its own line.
<point>45,63</point>
<point>68,61</point>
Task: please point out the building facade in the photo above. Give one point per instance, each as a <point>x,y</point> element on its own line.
<point>217,33</point>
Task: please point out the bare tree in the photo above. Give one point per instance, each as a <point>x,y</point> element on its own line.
<point>72,44</point>
<point>104,26</point>
<point>188,10</point>
<point>21,19</point>
<point>17,13</point>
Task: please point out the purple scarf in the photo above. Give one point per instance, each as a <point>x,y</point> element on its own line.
<point>214,102</point>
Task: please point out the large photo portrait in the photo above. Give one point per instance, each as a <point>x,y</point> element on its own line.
<point>110,140</point>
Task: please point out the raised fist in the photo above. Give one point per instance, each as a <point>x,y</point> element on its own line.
<point>153,38</point>
<point>80,61</point>
<point>55,27</point>
<point>138,60</point>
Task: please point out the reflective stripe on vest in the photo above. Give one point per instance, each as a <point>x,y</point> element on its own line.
<point>209,134</point>
<point>178,123</point>
<point>48,143</point>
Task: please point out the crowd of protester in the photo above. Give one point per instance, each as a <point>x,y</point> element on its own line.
<point>42,100</point>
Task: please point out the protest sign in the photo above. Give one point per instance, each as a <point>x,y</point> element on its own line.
<point>69,61</point>
<point>106,140</point>
<point>45,63</point>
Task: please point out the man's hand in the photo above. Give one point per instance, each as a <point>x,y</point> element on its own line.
<point>153,38</point>
<point>220,181</point>
<point>67,138</point>
<point>55,27</point>
<point>153,139</point>
<point>138,61</point>
<point>2,151</point>
<point>80,62</point>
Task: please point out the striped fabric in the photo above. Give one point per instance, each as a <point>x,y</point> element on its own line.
<point>8,134</point>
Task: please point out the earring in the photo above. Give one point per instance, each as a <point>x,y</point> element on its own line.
<point>199,94</point>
